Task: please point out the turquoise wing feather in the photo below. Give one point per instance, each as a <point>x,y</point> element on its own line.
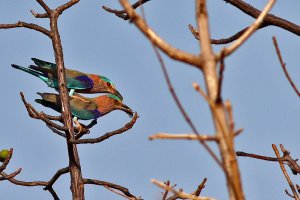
<point>75,79</point>
<point>84,110</point>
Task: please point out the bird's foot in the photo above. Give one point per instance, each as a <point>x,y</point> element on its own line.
<point>79,126</point>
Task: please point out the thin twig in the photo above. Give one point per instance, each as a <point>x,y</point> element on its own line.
<point>118,192</point>
<point>284,171</point>
<point>229,50</point>
<point>283,65</point>
<point>12,175</point>
<point>65,6</point>
<point>107,135</point>
<point>21,24</point>
<point>286,159</point>
<point>111,185</point>
<point>270,19</point>
<point>56,176</point>
<point>180,194</point>
<point>221,72</point>
<point>170,136</point>
<point>24,183</point>
<point>200,187</point>
<point>45,6</point>
<point>225,40</point>
<point>122,13</point>
<point>165,194</point>
<point>182,110</point>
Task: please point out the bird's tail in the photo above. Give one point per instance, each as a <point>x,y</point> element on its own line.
<point>43,76</point>
<point>42,63</point>
<point>49,100</point>
<point>28,70</point>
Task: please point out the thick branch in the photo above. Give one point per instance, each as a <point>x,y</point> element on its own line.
<point>220,119</point>
<point>158,42</point>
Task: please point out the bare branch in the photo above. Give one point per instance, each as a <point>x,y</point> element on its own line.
<point>181,108</point>
<point>124,190</point>
<point>270,19</point>
<point>283,169</point>
<point>21,24</point>
<point>25,183</point>
<point>46,8</point>
<point>53,193</point>
<point>158,42</point>
<point>165,194</point>
<point>200,187</point>
<point>38,15</point>
<point>225,40</point>
<point>229,50</point>
<point>122,13</point>
<point>260,157</point>
<point>9,176</point>
<point>221,72</point>
<point>65,6</point>
<point>286,159</point>
<point>126,127</point>
<point>56,176</point>
<point>169,136</point>
<point>283,65</point>
<point>180,194</point>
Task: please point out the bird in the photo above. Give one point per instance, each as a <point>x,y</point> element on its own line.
<point>76,80</point>
<point>85,108</point>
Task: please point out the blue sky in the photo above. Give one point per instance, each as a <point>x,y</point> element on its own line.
<point>97,42</point>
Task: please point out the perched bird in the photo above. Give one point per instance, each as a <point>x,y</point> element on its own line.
<point>86,108</point>
<point>79,81</point>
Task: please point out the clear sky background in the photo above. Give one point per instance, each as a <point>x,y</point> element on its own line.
<point>95,41</point>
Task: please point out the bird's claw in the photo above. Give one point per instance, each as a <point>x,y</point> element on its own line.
<point>79,126</point>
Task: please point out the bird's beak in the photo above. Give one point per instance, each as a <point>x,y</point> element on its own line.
<point>117,93</point>
<point>127,110</point>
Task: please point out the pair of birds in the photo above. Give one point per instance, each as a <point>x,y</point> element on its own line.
<point>81,107</point>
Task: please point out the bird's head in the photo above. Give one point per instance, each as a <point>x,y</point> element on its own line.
<point>110,102</point>
<point>105,85</point>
